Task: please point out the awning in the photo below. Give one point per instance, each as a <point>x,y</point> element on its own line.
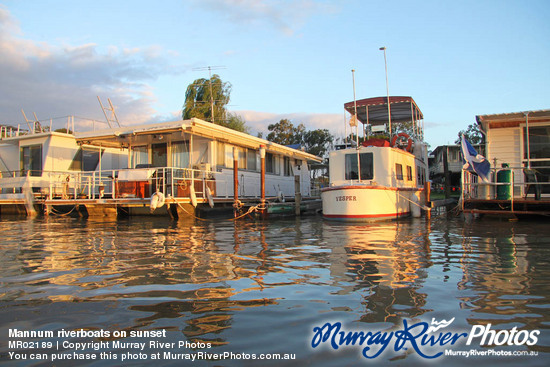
<point>513,119</point>
<point>375,110</point>
<point>122,137</point>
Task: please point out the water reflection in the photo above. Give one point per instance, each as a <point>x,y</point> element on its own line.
<point>506,268</point>
<point>385,263</point>
<point>248,284</point>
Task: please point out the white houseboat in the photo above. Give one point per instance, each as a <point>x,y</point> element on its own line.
<point>174,168</point>
<point>382,178</point>
<point>44,161</point>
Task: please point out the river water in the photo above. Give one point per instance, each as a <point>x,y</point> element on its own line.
<point>259,289</point>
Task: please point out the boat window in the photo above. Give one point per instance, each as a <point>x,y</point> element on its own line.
<point>220,154</point>
<point>180,154</point>
<point>242,157</point>
<point>409,173</point>
<point>139,156</point>
<point>228,149</point>
<point>398,171</point>
<point>85,159</point>
<point>31,160</point>
<point>539,156</point>
<point>251,160</point>
<point>272,163</point>
<point>159,155</point>
<point>288,167</point>
<point>366,166</point>
<point>539,141</point>
<point>456,155</point>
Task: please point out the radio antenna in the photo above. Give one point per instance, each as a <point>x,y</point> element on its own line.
<point>210,68</point>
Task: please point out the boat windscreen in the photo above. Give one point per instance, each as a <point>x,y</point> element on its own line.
<point>366,166</point>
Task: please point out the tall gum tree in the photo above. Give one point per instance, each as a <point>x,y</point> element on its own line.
<point>207,99</point>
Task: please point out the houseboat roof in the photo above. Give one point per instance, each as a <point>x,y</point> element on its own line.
<point>512,119</point>
<point>122,137</point>
<point>374,110</point>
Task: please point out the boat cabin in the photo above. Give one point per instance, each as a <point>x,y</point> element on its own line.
<point>383,175</point>
<point>49,162</point>
<point>171,157</point>
<point>378,166</point>
<point>404,165</point>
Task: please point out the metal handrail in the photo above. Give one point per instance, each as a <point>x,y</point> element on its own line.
<point>92,184</point>
<point>469,185</point>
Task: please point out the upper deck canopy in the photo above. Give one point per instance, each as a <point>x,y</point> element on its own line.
<point>374,111</point>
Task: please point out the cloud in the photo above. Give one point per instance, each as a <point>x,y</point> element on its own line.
<point>54,80</point>
<point>285,16</point>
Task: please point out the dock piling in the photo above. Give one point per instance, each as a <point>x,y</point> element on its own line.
<point>263,211</point>
<point>236,205</point>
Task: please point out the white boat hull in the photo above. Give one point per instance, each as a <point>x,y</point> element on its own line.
<point>368,203</point>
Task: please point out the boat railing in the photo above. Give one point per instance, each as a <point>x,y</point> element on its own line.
<point>65,124</point>
<point>9,131</point>
<point>115,184</point>
<point>143,182</point>
<point>200,181</point>
<point>508,184</point>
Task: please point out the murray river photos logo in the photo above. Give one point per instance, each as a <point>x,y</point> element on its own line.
<point>427,340</point>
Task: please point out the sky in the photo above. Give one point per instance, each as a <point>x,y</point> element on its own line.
<point>284,59</point>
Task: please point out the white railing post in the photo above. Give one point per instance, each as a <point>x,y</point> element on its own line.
<point>164,171</point>
<point>113,185</point>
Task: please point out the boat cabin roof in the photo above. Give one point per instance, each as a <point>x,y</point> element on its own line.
<point>513,119</point>
<point>123,137</point>
<point>374,110</point>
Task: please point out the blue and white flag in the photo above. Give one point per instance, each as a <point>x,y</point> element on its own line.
<point>474,162</point>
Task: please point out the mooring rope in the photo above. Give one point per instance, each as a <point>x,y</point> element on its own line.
<point>418,205</point>
<point>250,210</point>
<point>53,211</point>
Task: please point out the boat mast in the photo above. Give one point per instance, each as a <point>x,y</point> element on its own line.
<point>355,109</point>
<point>387,89</point>
<point>356,127</point>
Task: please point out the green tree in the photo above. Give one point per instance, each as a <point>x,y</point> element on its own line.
<point>284,132</point>
<point>63,130</point>
<point>473,134</point>
<point>235,122</point>
<point>318,142</point>
<point>206,96</point>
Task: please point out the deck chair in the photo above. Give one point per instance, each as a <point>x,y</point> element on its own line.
<point>532,183</point>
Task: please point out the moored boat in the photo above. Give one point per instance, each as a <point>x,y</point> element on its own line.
<point>179,169</point>
<point>383,177</point>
